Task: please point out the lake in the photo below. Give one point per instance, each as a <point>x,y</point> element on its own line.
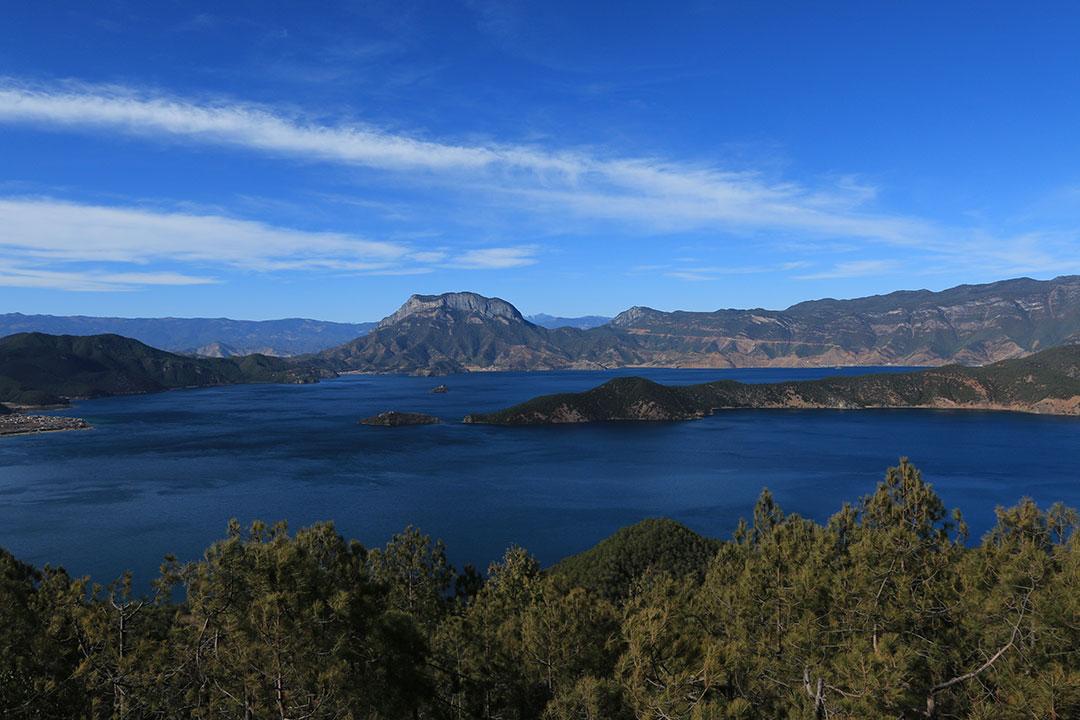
<point>164,473</point>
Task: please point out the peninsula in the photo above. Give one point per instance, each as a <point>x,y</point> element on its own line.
<point>15,423</point>
<point>38,369</point>
<point>1046,382</point>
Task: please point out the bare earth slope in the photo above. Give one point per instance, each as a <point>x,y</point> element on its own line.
<point>457,332</point>
<point>1047,382</point>
<point>969,324</point>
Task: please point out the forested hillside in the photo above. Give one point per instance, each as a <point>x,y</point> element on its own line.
<point>39,369</point>
<point>883,612</point>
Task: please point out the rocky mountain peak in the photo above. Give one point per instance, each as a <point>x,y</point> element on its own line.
<point>431,306</point>
<point>634,315</point>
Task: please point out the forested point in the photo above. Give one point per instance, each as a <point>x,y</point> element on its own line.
<point>886,611</point>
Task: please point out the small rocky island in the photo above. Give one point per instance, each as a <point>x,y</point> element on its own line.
<point>1047,382</point>
<point>394,418</point>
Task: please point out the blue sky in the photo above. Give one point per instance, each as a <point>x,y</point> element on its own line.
<point>265,159</point>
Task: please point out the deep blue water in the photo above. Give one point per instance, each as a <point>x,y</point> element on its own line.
<point>164,473</point>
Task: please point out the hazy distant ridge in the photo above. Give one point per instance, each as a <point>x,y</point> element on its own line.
<point>213,337</point>
<point>584,322</point>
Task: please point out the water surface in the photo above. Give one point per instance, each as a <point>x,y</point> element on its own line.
<point>164,473</point>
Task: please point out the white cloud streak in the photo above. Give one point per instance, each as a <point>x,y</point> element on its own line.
<point>588,184</point>
<point>254,128</point>
<point>38,235</point>
<point>703,273</point>
<point>642,194</point>
<point>93,281</point>
<point>497,258</point>
<point>56,231</point>
<point>852,269</point>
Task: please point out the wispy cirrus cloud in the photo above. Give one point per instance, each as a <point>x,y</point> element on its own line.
<point>586,183</point>
<point>703,274</point>
<point>253,128</point>
<point>93,281</point>
<point>44,229</point>
<point>497,258</point>
<point>690,269</point>
<point>641,194</point>
<point>851,269</point>
<point>53,243</point>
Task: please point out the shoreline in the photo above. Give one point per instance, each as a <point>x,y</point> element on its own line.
<point>19,424</point>
<point>474,419</point>
<point>476,370</point>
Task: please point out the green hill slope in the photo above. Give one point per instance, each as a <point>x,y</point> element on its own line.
<point>39,369</point>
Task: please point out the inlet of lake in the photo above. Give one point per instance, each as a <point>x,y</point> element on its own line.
<point>164,473</point>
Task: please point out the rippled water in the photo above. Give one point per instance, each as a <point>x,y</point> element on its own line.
<point>163,473</point>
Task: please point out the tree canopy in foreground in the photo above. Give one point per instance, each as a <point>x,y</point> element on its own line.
<point>883,612</point>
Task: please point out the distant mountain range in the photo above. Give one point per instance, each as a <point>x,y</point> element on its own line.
<point>39,369</point>
<point>969,324</point>
<point>581,323</point>
<point>210,337</point>
<point>462,332</point>
<point>1046,382</point>
<point>222,337</point>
